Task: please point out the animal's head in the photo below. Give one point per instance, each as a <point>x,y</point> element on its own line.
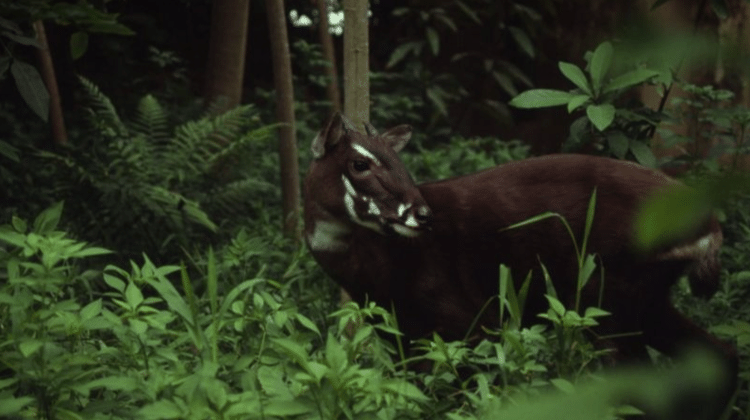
<point>359,177</point>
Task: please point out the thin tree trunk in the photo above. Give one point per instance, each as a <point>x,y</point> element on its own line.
<point>356,73</point>
<point>282,71</point>
<point>226,53</point>
<point>356,62</point>
<point>326,42</point>
<point>47,70</point>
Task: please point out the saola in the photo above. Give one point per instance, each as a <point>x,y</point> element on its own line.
<point>433,249</point>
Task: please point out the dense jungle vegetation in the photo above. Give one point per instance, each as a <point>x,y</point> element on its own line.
<point>143,269</point>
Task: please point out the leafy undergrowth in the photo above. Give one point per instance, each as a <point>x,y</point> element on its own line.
<point>144,342</point>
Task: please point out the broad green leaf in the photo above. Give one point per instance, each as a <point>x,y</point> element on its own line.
<point>31,87</point>
<point>307,323</point>
<point>575,75</point>
<point>618,143</point>
<point>335,354</point>
<point>111,28</point>
<point>30,346</point>
<point>577,101</point>
<point>541,98</point>
<point>669,215</point>
<point>289,408</point>
<point>90,252</point>
<point>137,326</point>
<point>601,61</point>
<point>133,295</point>
<point>47,220</point>
<point>91,310</point>
<point>434,94</point>
<point>114,282</point>
<point>10,405</point>
<point>630,79</point>
<point>114,383</point>
<point>522,40</point>
<point>7,149</point>
<point>601,115</point>
<point>643,154</point>
<point>563,385</point>
<point>505,83</point>
<point>162,409</point>
<point>79,43</point>
<point>433,39</point>
<point>594,312</point>
<point>468,12</point>
<point>24,40</point>
<point>555,305</point>
<point>406,389</point>
<point>18,224</point>
<point>400,53</point>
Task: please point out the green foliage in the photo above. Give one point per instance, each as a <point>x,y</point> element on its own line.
<point>463,156</point>
<point>246,346</point>
<point>422,60</point>
<point>597,91</point>
<point>146,186</point>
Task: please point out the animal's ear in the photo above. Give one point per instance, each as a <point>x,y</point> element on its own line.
<point>397,137</point>
<point>336,127</point>
<point>370,130</point>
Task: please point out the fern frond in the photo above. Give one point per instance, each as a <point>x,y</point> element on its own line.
<point>151,120</point>
<point>243,143</point>
<point>195,143</point>
<point>174,207</point>
<point>103,115</point>
<point>235,197</point>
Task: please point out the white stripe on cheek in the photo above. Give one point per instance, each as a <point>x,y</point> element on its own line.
<point>402,208</point>
<point>366,153</point>
<point>348,185</point>
<point>373,209</point>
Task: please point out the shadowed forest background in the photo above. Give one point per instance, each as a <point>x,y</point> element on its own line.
<point>152,267</point>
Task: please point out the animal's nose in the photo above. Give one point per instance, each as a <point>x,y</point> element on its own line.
<point>423,215</point>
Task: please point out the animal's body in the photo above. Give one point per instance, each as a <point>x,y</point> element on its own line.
<point>433,250</point>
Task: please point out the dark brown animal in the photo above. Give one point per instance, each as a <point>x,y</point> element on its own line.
<point>433,250</point>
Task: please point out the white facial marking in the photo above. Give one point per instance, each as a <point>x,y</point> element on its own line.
<point>405,231</point>
<point>328,236</point>
<point>366,153</point>
<point>411,221</point>
<point>348,185</point>
<point>349,202</point>
<point>402,208</point>
<point>373,208</point>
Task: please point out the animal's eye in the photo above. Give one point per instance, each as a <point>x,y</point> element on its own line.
<point>360,165</point>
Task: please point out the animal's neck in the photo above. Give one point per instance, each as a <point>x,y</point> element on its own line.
<point>327,233</point>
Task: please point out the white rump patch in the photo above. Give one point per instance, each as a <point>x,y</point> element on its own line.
<point>705,245</point>
<point>328,236</point>
<point>366,153</point>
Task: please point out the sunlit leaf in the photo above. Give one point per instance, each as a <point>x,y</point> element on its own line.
<point>541,98</point>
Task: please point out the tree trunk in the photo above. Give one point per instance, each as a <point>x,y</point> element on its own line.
<point>356,72</point>
<point>356,62</point>
<point>226,53</point>
<point>326,42</point>
<point>47,69</point>
<point>282,75</point>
